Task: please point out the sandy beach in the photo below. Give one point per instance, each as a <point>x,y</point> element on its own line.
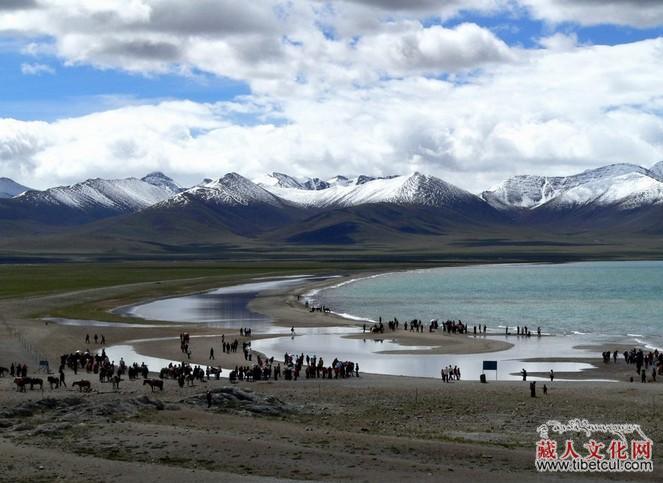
<point>371,428</point>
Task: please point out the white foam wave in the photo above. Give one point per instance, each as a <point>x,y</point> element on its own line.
<point>353,317</point>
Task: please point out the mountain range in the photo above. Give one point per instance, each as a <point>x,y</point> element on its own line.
<point>277,209</point>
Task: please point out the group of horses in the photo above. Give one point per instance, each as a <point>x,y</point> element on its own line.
<point>23,382</point>
<point>83,385</point>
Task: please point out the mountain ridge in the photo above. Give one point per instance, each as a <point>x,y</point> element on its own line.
<point>281,210</point>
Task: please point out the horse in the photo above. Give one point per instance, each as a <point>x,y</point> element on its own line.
<point>153,383</point>
<point>3,371</point>
<point>116,382</point>
<point>21,382</point>
<point>53,381</point>
<point>83,385</point>
<point>36,381</point>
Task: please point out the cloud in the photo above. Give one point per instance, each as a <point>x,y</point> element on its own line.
<point>636,13</point>
<point>18,4</point>
<point>266,43</point>
<point>340,87</point>
<point>551,112</point>
<point>444,9</point>
<point>409,47</point>
<point>36,69</point>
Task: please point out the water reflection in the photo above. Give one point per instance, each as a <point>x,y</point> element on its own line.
<point>224,307</point>
<point>101,323</point>
<point>369,354</point>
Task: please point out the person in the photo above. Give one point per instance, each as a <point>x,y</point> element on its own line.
<point>292,330</point>
<point>545,390</point>
<point>211,353</point>
<point>87,338</point>
<point>103,339</point>
<point>644,376</point>
<point>209,399</point>
<point>532,388</point>
<point>62,383</point>
<point>96,339</point>
<point>552,375</point>
<point>524,374</point>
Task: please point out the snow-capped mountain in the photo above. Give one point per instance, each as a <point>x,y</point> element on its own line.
<point>414,189</point>
<point>625,186</point>
<point>657,169</point>
<point>280,180</point>
<point>10,188</point>
<point>231,190</point>
<point>159,179</point>
<point>117,195</point>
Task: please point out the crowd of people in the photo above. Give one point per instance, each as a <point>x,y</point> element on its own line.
<point>650,362</point>
<point>416,325</point>
<point>294,367</point>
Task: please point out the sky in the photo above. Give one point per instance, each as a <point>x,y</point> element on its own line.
<point>471,91</point>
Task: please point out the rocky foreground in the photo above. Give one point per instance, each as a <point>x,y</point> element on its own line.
<point>368,429</point>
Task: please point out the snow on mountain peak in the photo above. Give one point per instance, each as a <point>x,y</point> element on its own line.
<point>616,184</point>
<point>232,189</point>
<point>657,169</point>
<point>414,189</point>
<point>122,195</point>
<point>157,178</point>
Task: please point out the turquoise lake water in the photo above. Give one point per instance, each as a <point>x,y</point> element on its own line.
<point>594,298</point>
<point>584,303</point>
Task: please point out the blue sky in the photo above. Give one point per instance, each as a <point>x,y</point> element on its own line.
<point>81,89</point>
<point>473,91</point>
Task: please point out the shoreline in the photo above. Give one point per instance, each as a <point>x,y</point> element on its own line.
<point>285,309</point>
<point>283,306</point>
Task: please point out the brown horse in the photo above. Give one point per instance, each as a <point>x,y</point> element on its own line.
<point>53,381</point>
<point>154,383</point>
<point>36,381</point>
<point>21,382</point>
<point>83,385</point>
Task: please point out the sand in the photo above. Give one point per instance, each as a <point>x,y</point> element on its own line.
<point>371,428</point>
